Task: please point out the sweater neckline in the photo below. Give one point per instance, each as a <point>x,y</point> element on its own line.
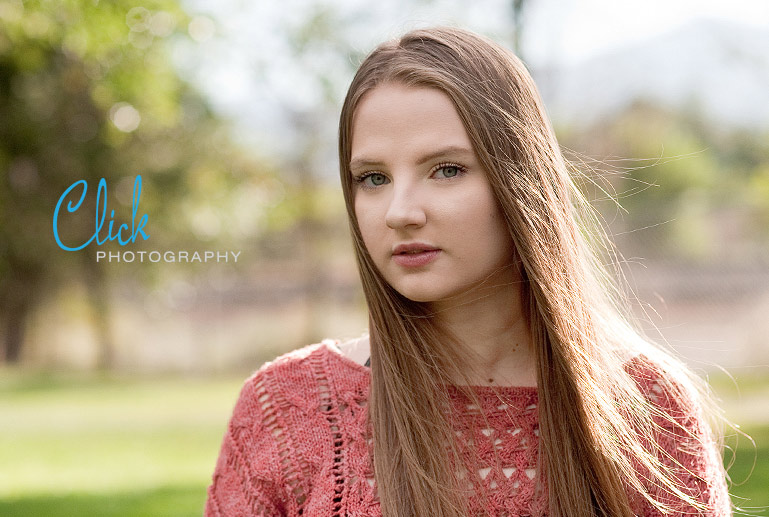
<point>481,390</point>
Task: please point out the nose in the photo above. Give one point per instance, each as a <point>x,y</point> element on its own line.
<point>405,209</point>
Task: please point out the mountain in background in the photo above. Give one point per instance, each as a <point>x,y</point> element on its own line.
<point>718,68</point>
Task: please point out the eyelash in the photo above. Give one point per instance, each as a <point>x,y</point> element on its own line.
<point>461,171</point>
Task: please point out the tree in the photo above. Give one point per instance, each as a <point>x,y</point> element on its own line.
<point>88,91</point>
<point>686,185</point>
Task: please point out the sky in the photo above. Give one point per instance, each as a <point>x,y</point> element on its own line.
<point>241,59</point>
<point>569,31</point>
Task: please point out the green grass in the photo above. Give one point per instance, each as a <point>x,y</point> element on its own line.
<point>82,445</point>
<point>750,481</point>
<point>94,445</point>
<point>168,501</point>
<point>746,403</point>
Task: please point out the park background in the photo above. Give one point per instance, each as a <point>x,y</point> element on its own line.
<point>117,379</point>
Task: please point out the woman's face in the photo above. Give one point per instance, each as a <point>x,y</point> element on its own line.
<point>424,205</point>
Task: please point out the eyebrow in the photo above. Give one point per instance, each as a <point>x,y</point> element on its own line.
<point>452,150</point>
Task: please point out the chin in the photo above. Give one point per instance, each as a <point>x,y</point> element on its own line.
<point>422,295</point>
<point>425,290</point>
<point>419,299</point>
<point>416,295</point>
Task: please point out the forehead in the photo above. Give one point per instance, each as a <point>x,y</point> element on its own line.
<point>407,118</point>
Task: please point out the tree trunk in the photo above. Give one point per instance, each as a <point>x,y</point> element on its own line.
<point>99,300</point>
<point>311,232</point>
<point>14,319</point>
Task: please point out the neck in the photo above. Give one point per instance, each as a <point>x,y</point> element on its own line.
<point>490,326</point>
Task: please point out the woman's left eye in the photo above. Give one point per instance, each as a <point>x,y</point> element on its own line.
<point>448,171</point>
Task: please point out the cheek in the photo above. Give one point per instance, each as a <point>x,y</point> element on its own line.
<point>366,225</point>
<point>503,240</point>
<point>495,233</point>
<point>360,215</point>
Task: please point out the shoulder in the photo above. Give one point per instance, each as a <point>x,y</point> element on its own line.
<point>301,367</point>
<point>282,440</point>
<point>294,369</point>
<point>297,381</point>
<point>329,351</point>
<point>686,446</point>
<point>668,386</point>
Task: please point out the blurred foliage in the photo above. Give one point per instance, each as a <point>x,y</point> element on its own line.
<point>675,185</point>
<point>318,57</point>
<point>88,91</point>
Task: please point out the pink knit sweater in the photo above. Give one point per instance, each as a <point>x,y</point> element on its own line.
<point>297,445</point>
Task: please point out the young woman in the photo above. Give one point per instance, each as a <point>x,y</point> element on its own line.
<point>503,379</point>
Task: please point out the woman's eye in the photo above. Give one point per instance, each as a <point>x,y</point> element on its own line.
<point>448,171</point>
<point>378,179</point>
<point>375,179</point>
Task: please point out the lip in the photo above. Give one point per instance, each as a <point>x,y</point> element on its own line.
<point>414,254</point>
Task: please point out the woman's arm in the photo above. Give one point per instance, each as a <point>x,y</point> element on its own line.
<point>246,478</point>
<point>695,460</point>
<point>687,448</point>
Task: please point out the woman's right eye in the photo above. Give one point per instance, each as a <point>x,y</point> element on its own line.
<point>372,179</point>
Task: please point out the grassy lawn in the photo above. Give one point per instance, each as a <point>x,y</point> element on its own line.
<point>750,489</point>
<point>746,403</point>
<point>80,445</point>
<point>74,445</point>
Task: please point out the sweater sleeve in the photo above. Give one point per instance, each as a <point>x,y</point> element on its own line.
<point>688,449</point>
<point>246,478</point>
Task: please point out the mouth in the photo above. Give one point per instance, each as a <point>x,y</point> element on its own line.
<point>415,254</point>
<point>413,249</point>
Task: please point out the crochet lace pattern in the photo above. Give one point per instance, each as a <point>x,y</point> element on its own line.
<point>298,445</point>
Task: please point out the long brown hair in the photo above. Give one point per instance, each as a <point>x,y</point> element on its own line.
<point>589,443</point>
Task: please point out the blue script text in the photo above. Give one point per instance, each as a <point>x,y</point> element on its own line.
<point>101,205</point>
